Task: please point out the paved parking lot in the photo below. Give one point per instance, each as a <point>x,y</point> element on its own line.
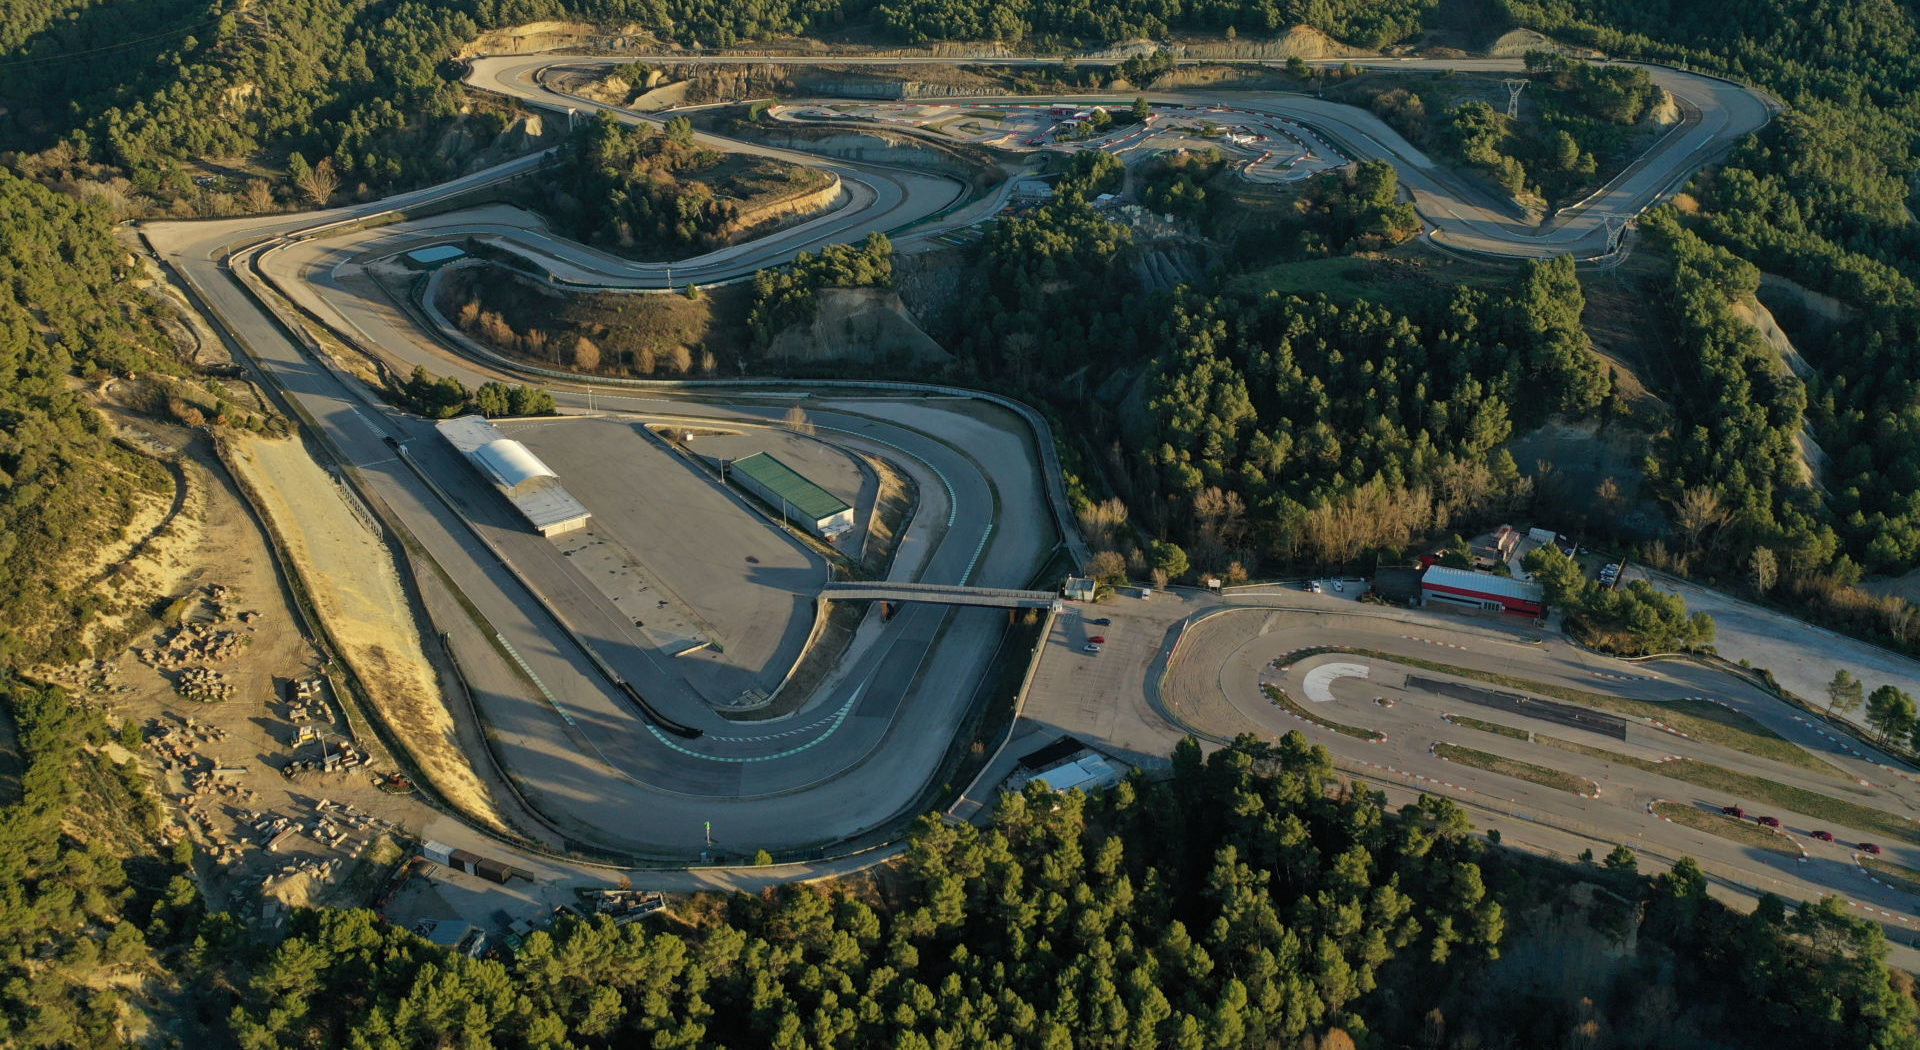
<point>748,586</point>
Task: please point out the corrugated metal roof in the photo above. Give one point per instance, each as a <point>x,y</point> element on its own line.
<point>529,484</point>
<point>468,433</point>
<point>1484,582</point>
<point>803,496</point>
<point>511,463</point>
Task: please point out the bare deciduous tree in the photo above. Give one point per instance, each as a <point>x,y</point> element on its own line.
<point>319,182</point>
<point>586,356</point>
<point>1108,567</point>
<point>1608,495</point>
<point>259,195</point>
<point>1373,515</point>
<point>1763,570</point>
<point>1100,522</point>
<point>1219,524</point>
<point>1695,511</point>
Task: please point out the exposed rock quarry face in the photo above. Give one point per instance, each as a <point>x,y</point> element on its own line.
<point>555,36</point>
<point>1665,110</point>
<point>1300,42</point>
<point>528,130</point>
<point>865,325</point>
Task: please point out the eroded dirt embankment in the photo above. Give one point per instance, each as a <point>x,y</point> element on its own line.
<point>356,592</point>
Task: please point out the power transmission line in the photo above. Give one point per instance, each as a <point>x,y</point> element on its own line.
<point>1514,87</point>
<point>104,48</point>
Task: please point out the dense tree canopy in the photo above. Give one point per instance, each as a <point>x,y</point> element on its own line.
<point>1306,412</point>
<point>788,295</point>
<point>1635,618</point>
<point>67,309</point>
<point>656,192</point>
<point>90,898</point>
<point>1581,135</point>
<point>1821,197</point>
<point>634,185</point>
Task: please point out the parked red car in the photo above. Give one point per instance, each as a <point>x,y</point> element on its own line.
<point>1767,822</point>
<point>1098,639</point>
<point>1868,847</point>
<point>1824,836</point>
<point>1733,811</point>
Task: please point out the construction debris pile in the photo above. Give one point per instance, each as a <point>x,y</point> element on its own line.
<point>216,846</point>
<point>203,684</point>
<point>335,825</point>
<point>194,642</point>
<point>202,637</point>
<point>91,678</point>
<point>624,906</point>
<point>305,701</point>
<point>177,750</point>
<point>338,757</point>
<point>178,746</point>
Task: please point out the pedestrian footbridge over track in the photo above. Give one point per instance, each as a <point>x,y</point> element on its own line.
<point>939,594</point>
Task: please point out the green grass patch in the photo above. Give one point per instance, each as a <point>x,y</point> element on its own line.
<point>1899,876</point>
<point>1400,275</point>
<point>1513,767</point>
<point>1740,786</point>
<point>1490,727</point>
<point>1344,280</point>
<point>1700,719</point>
<point>1729,828</point>
<point>1280,699</point>
<point>986,114</point>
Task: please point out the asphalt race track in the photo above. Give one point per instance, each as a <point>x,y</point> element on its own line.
<point>859,754</point>
<point>1716,113</point>
<point>585,757</point>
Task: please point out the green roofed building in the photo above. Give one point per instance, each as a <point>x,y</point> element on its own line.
<point>792,496</point>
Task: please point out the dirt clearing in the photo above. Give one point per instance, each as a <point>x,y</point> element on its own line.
<point>357,594</point>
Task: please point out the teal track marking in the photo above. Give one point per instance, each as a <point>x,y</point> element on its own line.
<point>973,562</point>
<point>537,683</point>
<point>838,718</point>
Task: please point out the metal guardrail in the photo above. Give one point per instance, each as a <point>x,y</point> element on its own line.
<point>941,594</point>
<point>1053,475</point>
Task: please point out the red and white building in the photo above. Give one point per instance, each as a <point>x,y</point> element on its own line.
<point>1481,590</point>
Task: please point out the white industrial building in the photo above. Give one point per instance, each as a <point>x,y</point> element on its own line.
<point>529,484</point>
<point>1067,765</point>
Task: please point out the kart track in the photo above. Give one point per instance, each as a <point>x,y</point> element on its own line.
<point>611,743</point>
<point>1186,662</point>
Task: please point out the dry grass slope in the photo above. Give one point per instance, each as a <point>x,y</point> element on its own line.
<point>357,593</point>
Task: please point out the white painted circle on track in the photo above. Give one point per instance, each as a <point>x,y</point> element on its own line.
<point>1316,683</point>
